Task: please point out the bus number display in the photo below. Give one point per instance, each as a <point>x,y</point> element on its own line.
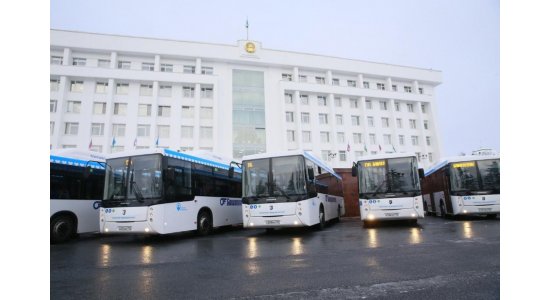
<point>372,164</point>
<point>464,165</point>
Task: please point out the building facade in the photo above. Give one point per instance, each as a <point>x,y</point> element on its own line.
<point>112,93</point>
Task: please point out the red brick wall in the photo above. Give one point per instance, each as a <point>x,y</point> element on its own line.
<point>351,192</point>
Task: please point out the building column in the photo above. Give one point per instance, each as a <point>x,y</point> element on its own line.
<point>67,56</point>
<point>197,120</point>
<point>107,140</point>
<point>295,74</point>
<point>154,113</point>
<point>332,122</point>
<point>360,81</point>
<point>157,63</point>
<point>422,136</point>
<point>389,83</point>
<point>59,127</point>
<point>364,123</point>
<point>296,97</point>
<point>198,66</point>
<point>415,86</point>
<point>329,77</point>
<point>113,62</point>
<point>393,124</point>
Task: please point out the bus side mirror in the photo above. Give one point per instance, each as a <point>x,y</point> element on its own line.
<point>354,170</point>
<point>231,172</point>
<point>421,173</point>
<point>169,174</point>
<point>310,173</point>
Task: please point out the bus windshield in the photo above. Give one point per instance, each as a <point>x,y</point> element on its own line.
<point>278,179</point>
<point>388,178</point>
<point>482,177</point>
<point>133,181</point>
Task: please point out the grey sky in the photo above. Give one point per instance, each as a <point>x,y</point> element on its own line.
<point>460,38</point>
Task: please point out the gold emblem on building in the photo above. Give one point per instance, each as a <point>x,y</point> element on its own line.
<point>250,47</point>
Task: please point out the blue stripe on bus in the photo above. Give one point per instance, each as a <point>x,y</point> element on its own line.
<point>322,165</point>
<point>74,162</point>
<point>194,159</point>
<point>436,167</point>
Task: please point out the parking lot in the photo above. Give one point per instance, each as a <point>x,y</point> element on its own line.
<point>438,258</point>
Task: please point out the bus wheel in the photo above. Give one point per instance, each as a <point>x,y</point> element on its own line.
<point>321,225</point>
<point>204,223</point>
<point>61,229</point>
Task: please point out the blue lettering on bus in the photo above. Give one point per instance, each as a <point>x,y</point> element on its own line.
<point>97,204</point>
<point>331,199</point>
<point>230,202</point>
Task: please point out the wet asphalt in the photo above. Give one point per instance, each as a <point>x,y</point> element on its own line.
<point>435,259</point>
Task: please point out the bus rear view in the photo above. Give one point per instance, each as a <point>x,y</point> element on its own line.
<point>389,188</point>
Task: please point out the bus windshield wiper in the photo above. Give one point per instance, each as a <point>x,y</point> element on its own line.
<point>281,190</point>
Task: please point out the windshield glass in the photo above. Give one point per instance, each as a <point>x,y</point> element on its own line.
<point>476,176</point>
<point>390,176</point>
<point>490,174</point>
<point>281,179</point>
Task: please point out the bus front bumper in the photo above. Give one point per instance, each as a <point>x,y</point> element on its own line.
<point>479,210</point>
<point>126,227</point>
<point>401,214</point>
<point>273,222</point>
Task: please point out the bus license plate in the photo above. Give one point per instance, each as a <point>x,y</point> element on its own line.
<point>124,228</point>
<point>485,209</point>
<point>272,222</point>
<point>391,214</point>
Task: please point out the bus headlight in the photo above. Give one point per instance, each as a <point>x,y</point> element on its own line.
<point>413,215</point>
<point>106,229</point>
<point>295,222</point>
<point>370,217</point>
<point>465,211</point>
<point>251,224</point>
<point>146,229</point>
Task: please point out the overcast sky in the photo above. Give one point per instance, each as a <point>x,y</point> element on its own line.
<point>459,38</point>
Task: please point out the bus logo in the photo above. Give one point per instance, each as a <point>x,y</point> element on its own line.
<point>391,201</point>
<point>97,204</point>
<point>271,207</point>
<point>229,202</point>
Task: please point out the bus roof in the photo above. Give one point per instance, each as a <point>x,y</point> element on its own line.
<point>304,153</point>
<point>77,158</point>
<point>385,156</point>
<point>201,157</point>
<point>454,159</point>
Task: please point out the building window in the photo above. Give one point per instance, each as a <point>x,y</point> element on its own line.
<point>368,104</point>
<point>147,66</point>
<point>166,68</point>
<point>53,106</point>
<point>355,121</point>
<point>325,137</point>
<point>306,136</point>
<point>186,149</point>
<point>412,123</point>
<point>370,121</point>
<point>287,77</point>
<point>115,149</point>
<point>423,107</point>
<point>71,128</point>
<point>290,117</point>
<point>358,154</point>
<point>414,140</point>
<point>79,61</point>
<point>304,99</point>
<point>394,87</point>
<point>357,138</point>
<point>163,111</point>
<point>98,129</point>
<point>399,124</point>
<point>144,110</point>
<point>290,135</point>
<point>324,154</point>
<point>402,140</point>
<point>352,83</point>
<point>335,81</point>
<point>425,124</point>
<point>146,90</point>
<point>56,60</point>
<point>428,141</point>
<point>122,88</point>
<point>163,131</point>
<point>302,78</point>
<point>101,87</point>
<point>322,100</point>
<point>430,157</point>
<point>68,146</point>
<point>418,155</point>
<point>125,65</point>
<point>189,69</point>
<point>407,89</point>
<point>96,148</point>
<point>207,93</point>
<point>143,130</point>
<point>387,139</point>
<point>323,118</point>
<point>339,120</point>
<point>288,98</point>
<point>54,85</point>
<point>77,86</point>
<point>396,106</point>
<point>187,112</point>
<point>320,80</point>
<point>383,105</point>
<point>207,113</point>
<point>366,84</point>
<point>188,92</point>
<point>104,63</point>
<point>421,90</point>
<point>410,107</point>
<point>187,132</point>
<point>120,109</point>
<point>73,107</point>
<point>381,86</point>
<point>353,103</point>
<point>337,101</point>
<point>165,91</point>
<point>341,138</point>
<point>372,139</point>
<point>99,108</point>
<point>207,70</point>
<point>305,118</point>
<point>385,122</point>
<point>205,133</point>
<point>342,155</point>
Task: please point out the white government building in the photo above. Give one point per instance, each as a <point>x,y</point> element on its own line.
<point>112,93</point>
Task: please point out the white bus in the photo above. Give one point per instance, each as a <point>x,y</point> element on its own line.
<point>289,189</point>
<point>464,185</point>
<point>75,195</point>
<point>389,187</point>
<point>161,191</point>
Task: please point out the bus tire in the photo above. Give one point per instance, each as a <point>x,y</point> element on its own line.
<point>204,222</point>
<point>321,224</point>
<point>62,229</point>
